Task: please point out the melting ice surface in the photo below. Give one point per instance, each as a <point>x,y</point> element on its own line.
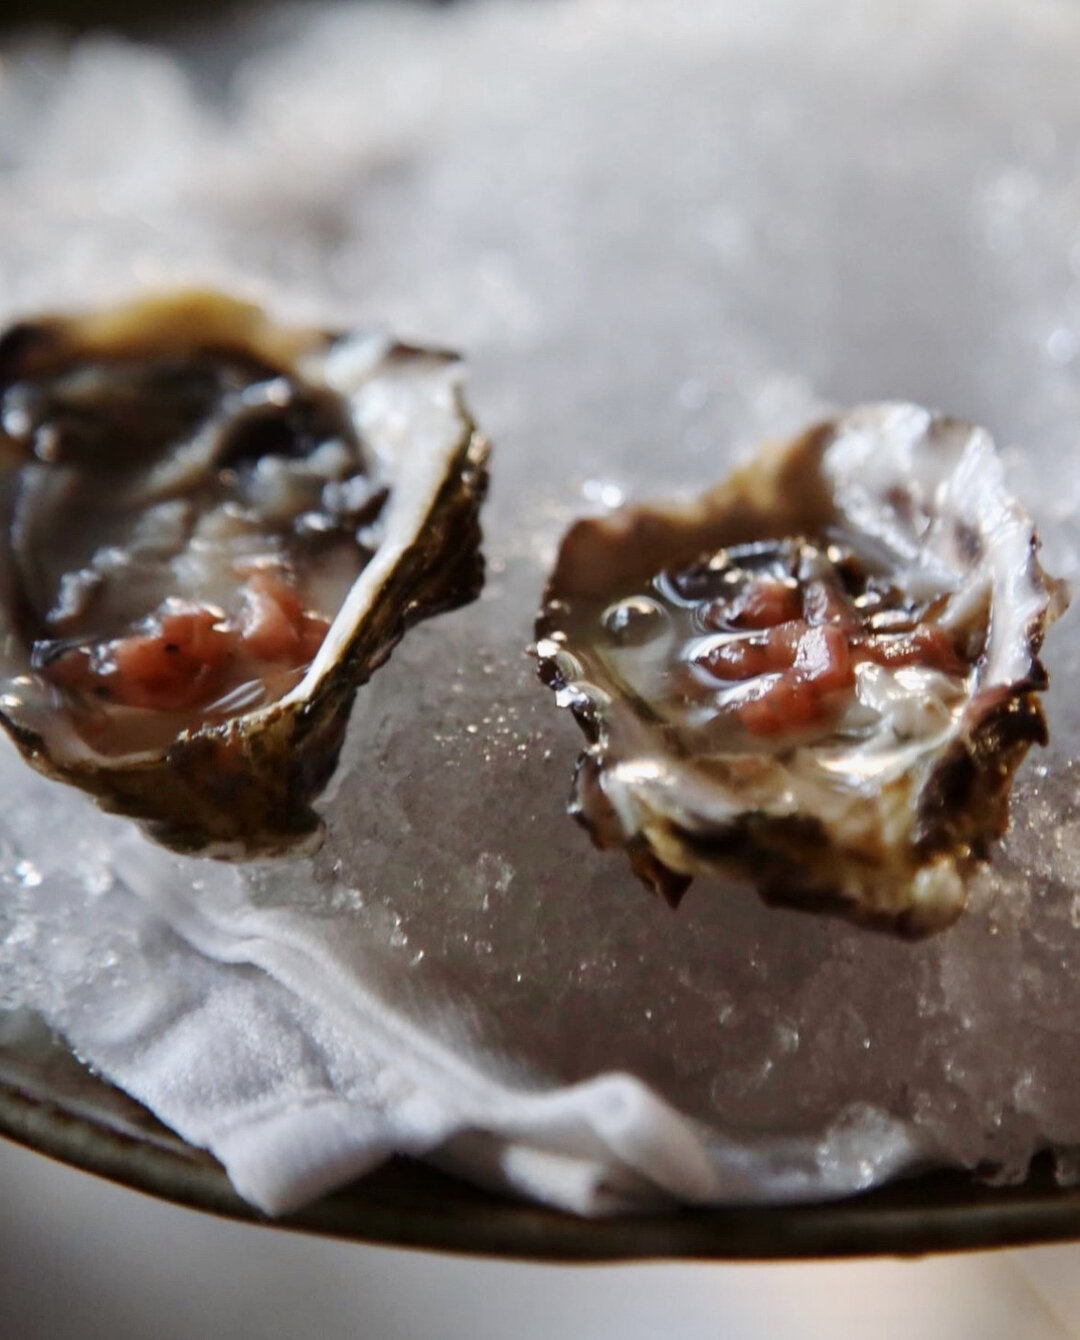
<point>661,233</point>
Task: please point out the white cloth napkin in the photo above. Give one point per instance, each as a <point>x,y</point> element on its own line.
<point>277,1041</point>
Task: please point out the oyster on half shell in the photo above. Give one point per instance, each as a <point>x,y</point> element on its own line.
<point>214,530</point>
<point>822,676</point>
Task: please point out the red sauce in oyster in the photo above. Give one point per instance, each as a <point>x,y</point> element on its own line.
<point>804,650</point>
<point>186,529</point>
<point>188,655</point>
<point>771,635</point>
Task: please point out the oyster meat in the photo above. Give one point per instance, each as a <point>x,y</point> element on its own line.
<point>214,530</point>
<point>822,676</point>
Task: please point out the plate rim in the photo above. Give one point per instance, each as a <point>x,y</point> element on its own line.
<point>407,1204</point>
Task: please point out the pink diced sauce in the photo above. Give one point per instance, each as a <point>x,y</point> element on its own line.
<point>275,625</point>
<point>804,645</point>
<point>189,654</point>
<point>177,667</point>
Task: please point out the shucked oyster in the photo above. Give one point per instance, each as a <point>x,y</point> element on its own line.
<point>214,530</point>
<point>822,676</point>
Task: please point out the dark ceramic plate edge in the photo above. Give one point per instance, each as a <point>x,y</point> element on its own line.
<point>407,1204</point>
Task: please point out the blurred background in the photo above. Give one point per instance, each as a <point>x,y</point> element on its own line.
<point>81,1258</point>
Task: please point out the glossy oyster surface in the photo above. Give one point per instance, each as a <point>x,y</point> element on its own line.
<point>215,529</point>
<point>822,676</point>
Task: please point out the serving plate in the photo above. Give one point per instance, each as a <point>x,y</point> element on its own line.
<point>790,260</point>
<point>49,1102</point>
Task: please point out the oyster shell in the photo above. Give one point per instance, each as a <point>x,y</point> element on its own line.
<point>216,529</point>
<point>822,676</point>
